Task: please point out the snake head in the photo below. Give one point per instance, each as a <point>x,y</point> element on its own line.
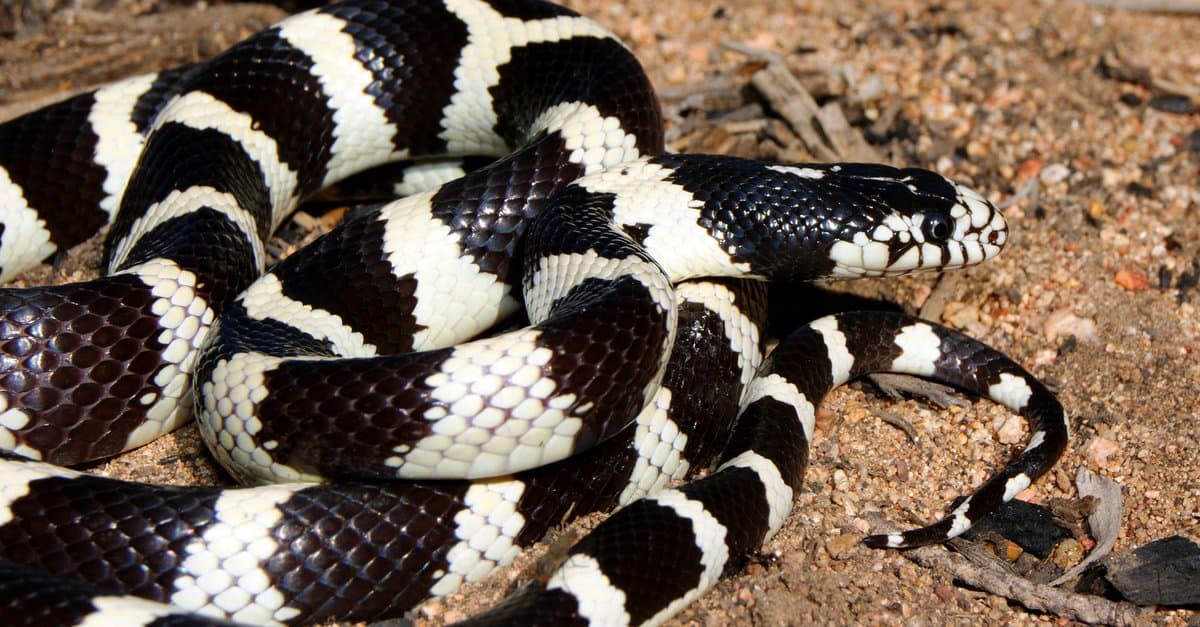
<point>906,220</point>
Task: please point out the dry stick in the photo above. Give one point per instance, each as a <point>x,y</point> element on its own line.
<point>1035,596</point>
<point>940,295</point>
<point>1119,67</point>
<point>788,97</point>
<point>900,423</point>
<point>1029,188</point>
<point>1158,6</point>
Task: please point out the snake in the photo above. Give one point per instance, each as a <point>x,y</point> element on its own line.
<point>398,432</point>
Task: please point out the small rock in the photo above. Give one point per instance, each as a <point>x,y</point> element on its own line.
<point>824,419</point>
<point>960,315</point>
<point>1012,550</point>
<point>1065,322</point>
<point>1054,173</point>
<point>1029,167</point>
<point>1099,449</point>
<point>1171,103</point>
<point>840,546</point>
<point>1010,432</point>
<point>433,609</point>
<point>869,89</point>
<point>1067,553</point>
<point>1131,99</point>
<point>976,150</point>
<point>944,592</point>
<point>1192,141</point>
<point>1132,281</point>
<point>840,481</point>
<point>1109,178</point>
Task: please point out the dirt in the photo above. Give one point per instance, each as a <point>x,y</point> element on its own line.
<point>1094,293</point>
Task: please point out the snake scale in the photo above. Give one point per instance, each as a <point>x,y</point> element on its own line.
<point>401,435</point>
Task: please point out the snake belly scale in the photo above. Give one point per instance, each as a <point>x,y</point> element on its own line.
<point>415,448</point>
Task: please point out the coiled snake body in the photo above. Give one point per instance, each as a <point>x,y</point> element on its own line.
<point>360,360</point>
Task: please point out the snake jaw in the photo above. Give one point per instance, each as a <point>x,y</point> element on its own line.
<point>968,232</point>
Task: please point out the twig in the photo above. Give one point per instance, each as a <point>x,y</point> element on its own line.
<point>1117,66</point>
<point>897,385</point>
<point>824,130</point>
<point>1156,6</point>
<point>896,421</point>
<point>940,295</point>
<point>1030,187</point>
<point>1037,597</point>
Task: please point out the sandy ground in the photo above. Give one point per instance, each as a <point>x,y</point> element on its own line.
<point>1092,294</point>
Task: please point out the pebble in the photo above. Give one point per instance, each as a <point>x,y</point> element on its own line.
<point>960,315</point>
<point>840,481</point>
<point>1132,281</point>
<point>1012,551</point>
<point>1011,431</point>
<point>1099,449</point>
<point>1054,173</point>
<point>1028,168</point>
<point>1067,553</point>
<point>841,546</point>
<point>1064,322</point>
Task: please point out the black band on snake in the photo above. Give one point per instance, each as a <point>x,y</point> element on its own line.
<point>416,448</point>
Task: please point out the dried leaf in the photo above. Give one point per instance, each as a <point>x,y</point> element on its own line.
<point>1105,522</point>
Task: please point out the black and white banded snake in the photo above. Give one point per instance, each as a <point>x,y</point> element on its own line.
<point>603,233</point>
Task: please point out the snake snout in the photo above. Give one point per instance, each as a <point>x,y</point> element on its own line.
<point>980,229</point>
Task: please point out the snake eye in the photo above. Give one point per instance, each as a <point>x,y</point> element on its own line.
<point>936,227</point>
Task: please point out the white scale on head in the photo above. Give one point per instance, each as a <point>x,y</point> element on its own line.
<point>870,254</point>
